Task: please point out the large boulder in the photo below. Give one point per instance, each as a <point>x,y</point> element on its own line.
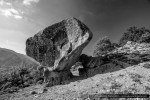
<point>60,45</point>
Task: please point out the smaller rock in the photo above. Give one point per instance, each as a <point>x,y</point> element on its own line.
<point>33,92</point>
<point>50,75</point>
<point>90,62</point>
<point>44,90</point>
<point>75,69</point>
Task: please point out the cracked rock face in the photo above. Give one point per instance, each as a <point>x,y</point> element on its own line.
<point>60,45</point>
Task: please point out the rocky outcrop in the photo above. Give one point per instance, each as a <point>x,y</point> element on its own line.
<point>133,47</point>
<point>131,53</point>
<point>60,45</point>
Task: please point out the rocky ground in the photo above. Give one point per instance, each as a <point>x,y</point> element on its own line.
<point>134,79</point>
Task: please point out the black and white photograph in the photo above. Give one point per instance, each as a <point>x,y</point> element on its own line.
<point>74,49</point>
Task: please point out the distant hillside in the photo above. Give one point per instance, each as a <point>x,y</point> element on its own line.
<point>10,59</point>
<point>11,65</point>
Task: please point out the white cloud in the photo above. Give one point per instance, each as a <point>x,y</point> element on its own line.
<point>28,2</point>
<point>7,9</point>
<point>17,9</point>
<point>4,3</point>
<point>11,13</point>
<point>18,17</point>
<point>14,11</point>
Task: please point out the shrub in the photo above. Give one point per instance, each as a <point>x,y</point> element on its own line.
<point>145,38</point>
<point>135,34</point>
<point>103,46</point>
<point>22,74</point>
<point>18,78</point>
<point>15,79</point>
<point>147,65</point>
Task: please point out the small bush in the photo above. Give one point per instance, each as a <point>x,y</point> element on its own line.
<point>147,88</point>
<point>20,78</point>
<point>147,65</point>
<point>103,46</point>
<point>22,73</point>
<point>145,38</point>
<point>136,77</point>
<point>115,86</point>
<point>15,79</point>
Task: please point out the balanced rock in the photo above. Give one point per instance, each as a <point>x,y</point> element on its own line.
<point>60,45</point>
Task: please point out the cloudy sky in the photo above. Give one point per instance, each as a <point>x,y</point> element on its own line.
<point>20,19</point>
